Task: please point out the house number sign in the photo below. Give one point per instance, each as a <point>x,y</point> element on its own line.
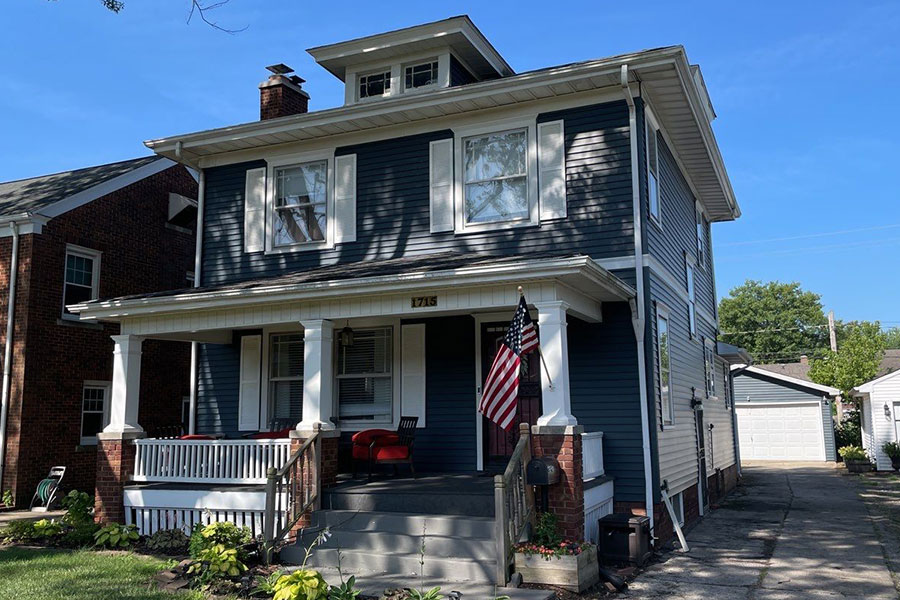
<point>423,301</point>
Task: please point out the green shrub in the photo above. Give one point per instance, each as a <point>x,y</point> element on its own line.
<point>168,541</point>
<point>302,584</point>
<point>227,534</point>
<point>115,535</point>
<point>853,453</point>
<point>217,561</point>
<point>79,535</point>
<point>848,431</point>
<point>892,449</point>
<point>18,531</point>
<point>78,507</point>
<point>46,529</point>
<point>7,499</point>
<point>546,530</point>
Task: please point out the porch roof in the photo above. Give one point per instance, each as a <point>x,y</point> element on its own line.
<point>576,273</point>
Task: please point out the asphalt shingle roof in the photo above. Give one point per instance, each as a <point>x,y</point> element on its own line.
<point>35,193</point>
<point>797,370</point>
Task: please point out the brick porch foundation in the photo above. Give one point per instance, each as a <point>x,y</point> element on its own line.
<point>566,497</point>
<point>115,464</point>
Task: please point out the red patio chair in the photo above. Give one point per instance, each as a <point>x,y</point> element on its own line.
<point>385,447</point>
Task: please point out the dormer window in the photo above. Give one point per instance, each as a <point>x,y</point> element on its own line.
<point>375,84</point>
<point>421,75</point>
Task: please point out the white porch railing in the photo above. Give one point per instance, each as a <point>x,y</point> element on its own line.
<point>592,454</point>
<point>209,461</point>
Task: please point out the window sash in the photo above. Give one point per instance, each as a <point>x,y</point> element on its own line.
<point>370,80</point>
<point>701,243</point>
<point>95,408</point>
<point>429,68</point>
<point>301,218</point>
<point>365,382</point>
<point>710,369</point>
<point>511,175</point>
<point>80,275</point>
<point>653,171</point>
<point>664,368</point>
<point>692,301</point>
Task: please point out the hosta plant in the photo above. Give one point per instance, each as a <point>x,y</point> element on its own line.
<point>892,449</point>
<point>853,453</point>
<point>47,528</point>
<point>345,591</point>
<point>227,534</point>
<point>168,541</point>
<point>302,584</point>
<point>17,531</point>
<point>114,535</point>
<point>217,561</point>
<point>265,586</point>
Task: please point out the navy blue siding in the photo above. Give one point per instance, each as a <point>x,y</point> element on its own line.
<point>606,396</point>
<point>393,211</point>
<point>459,75</point>
<point>753,387</point>
<point>217,389</point>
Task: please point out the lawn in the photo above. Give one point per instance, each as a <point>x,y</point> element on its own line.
<point>41,574</point>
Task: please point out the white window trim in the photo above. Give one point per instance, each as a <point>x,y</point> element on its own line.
<point>710,373</point>
<point>91,440</point>
<point>651,127</point>
<point>702,248</point>
<point>288,161</point>
<point>443,73</point>
<point>531,166</point>
<point>396,66</point>
<point>94,255</point>
<point>662,312</point>
<point>690,284</point>
<point>388,69</point>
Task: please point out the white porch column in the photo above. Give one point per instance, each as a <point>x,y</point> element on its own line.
<point>126,385</point>
<point>555,347</point>
<point>318,375</point>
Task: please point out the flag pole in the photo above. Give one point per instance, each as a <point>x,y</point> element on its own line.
<point>540,353</point>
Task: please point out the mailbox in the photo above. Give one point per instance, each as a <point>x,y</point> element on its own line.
<point>542,471</point>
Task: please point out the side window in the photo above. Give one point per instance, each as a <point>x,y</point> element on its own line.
<point>94,410</point>
<point>709,366</point>
<point>692,299</point>
<point>727,391</point>
<point>663,366</point>
<point>701,238</point>
<point>81,281</point>
<point>653,171</point>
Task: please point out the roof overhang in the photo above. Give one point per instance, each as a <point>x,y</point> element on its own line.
<point>825,389</point>
<point>867,387</point>
<point>664,74</point>
<point>459,33</point>
<point>579,274</point>
<point>734,355</point>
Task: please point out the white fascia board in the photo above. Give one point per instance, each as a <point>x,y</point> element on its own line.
<point>867,387</point>
<point>25,222</point>
<point>581,266</point>
<point>807,384</point>
<point>107,187</point>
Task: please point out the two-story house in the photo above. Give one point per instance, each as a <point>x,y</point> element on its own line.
<point>359,264</point>
<point>70,237</point>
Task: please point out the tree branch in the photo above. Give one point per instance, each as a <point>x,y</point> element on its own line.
<point>198,7</point>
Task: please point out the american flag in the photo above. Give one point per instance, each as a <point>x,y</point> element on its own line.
<point>501,388</point>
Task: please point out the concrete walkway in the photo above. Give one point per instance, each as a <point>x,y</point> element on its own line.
<point>792,531</point>
<point>27,515</point>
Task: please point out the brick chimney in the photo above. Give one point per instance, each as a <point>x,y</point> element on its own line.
<point>281,95</point>
<point>804,359</point>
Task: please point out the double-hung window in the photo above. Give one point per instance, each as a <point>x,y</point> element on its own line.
<point>301,204</point>
<point>692,299</point>
<point>286,376</point>
<point>421,75</point>
<point>375,84</point>
<point>94,410</point>
<point>495,178</point>
<point>653,171</point>
<point>82,278</point>
<point>726,392</point>
<point>709,367</point>
<point>701,238</point>
<point>365,388</point>
<point>664,367</point>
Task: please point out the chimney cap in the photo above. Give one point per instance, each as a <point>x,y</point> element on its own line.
<point>279,69</point>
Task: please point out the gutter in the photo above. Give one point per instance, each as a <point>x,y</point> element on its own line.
<point>7,352</point>
<point>639,320</point>
<point>198,262</point>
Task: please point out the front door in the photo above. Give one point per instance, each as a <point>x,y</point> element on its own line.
<point>499,443</point>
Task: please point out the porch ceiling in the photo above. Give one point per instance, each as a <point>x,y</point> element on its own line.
<point>458,283</point>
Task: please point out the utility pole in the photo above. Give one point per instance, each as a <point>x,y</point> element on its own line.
<point>831,334</point>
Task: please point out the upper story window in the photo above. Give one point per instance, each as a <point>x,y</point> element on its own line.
<point>375,84</point>
<point>663,366</point>
<point>709,365</point>
<point>653,171</point>
<point>496,177</point>
<point>301,200</point>
<point>365,388</point>
<point>692,299</point>
<point>421,75</point>
<point>701,237</point>
<point>82,277</point>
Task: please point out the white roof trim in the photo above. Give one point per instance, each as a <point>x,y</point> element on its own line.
<point>581,267</point>
<point>866,388</point>
<point>107,187</point>
<point>808,384</point>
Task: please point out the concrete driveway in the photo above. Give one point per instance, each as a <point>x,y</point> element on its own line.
<point>792,531</point>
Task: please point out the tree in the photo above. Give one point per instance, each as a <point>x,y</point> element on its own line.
<point>892,338</point>
<point>860,350</point>
<point>198,7</point>
<point>774,321</point>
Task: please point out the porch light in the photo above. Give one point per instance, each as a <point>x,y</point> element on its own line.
<point>346,336</point>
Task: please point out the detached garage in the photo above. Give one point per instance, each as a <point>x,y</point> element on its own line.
<point>783,418</point>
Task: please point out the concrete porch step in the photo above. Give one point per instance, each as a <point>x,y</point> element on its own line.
<point>405,565</point>
<point>407,524</point>
<point>372,583</point>
<point>398,543</point>
<point>465,495</point>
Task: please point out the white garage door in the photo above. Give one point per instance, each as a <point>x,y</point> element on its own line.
<point>781,432</point>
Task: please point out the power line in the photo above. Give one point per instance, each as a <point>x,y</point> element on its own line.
<point>810,250</point>
<point>773,329</point>
<point>809,235</point>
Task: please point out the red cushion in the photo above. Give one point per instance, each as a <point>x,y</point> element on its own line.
<point>364,438</point>
<point>381,452</point>
<point>272,435</point>
<point>196,436</point>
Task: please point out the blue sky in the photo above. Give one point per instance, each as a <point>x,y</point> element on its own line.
<point>806,94</point>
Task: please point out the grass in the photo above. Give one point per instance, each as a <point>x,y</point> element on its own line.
<point>43,574</point>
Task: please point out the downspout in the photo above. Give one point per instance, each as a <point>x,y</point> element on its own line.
<point>7,352</point>
<point>201,201</point>
<point>639,320</point>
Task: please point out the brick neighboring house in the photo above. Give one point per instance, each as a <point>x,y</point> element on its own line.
<point>102,231</point>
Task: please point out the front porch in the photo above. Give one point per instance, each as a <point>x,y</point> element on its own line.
<point>329,353</point>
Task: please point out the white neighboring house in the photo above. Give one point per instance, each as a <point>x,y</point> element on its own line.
<point>879,402</point>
